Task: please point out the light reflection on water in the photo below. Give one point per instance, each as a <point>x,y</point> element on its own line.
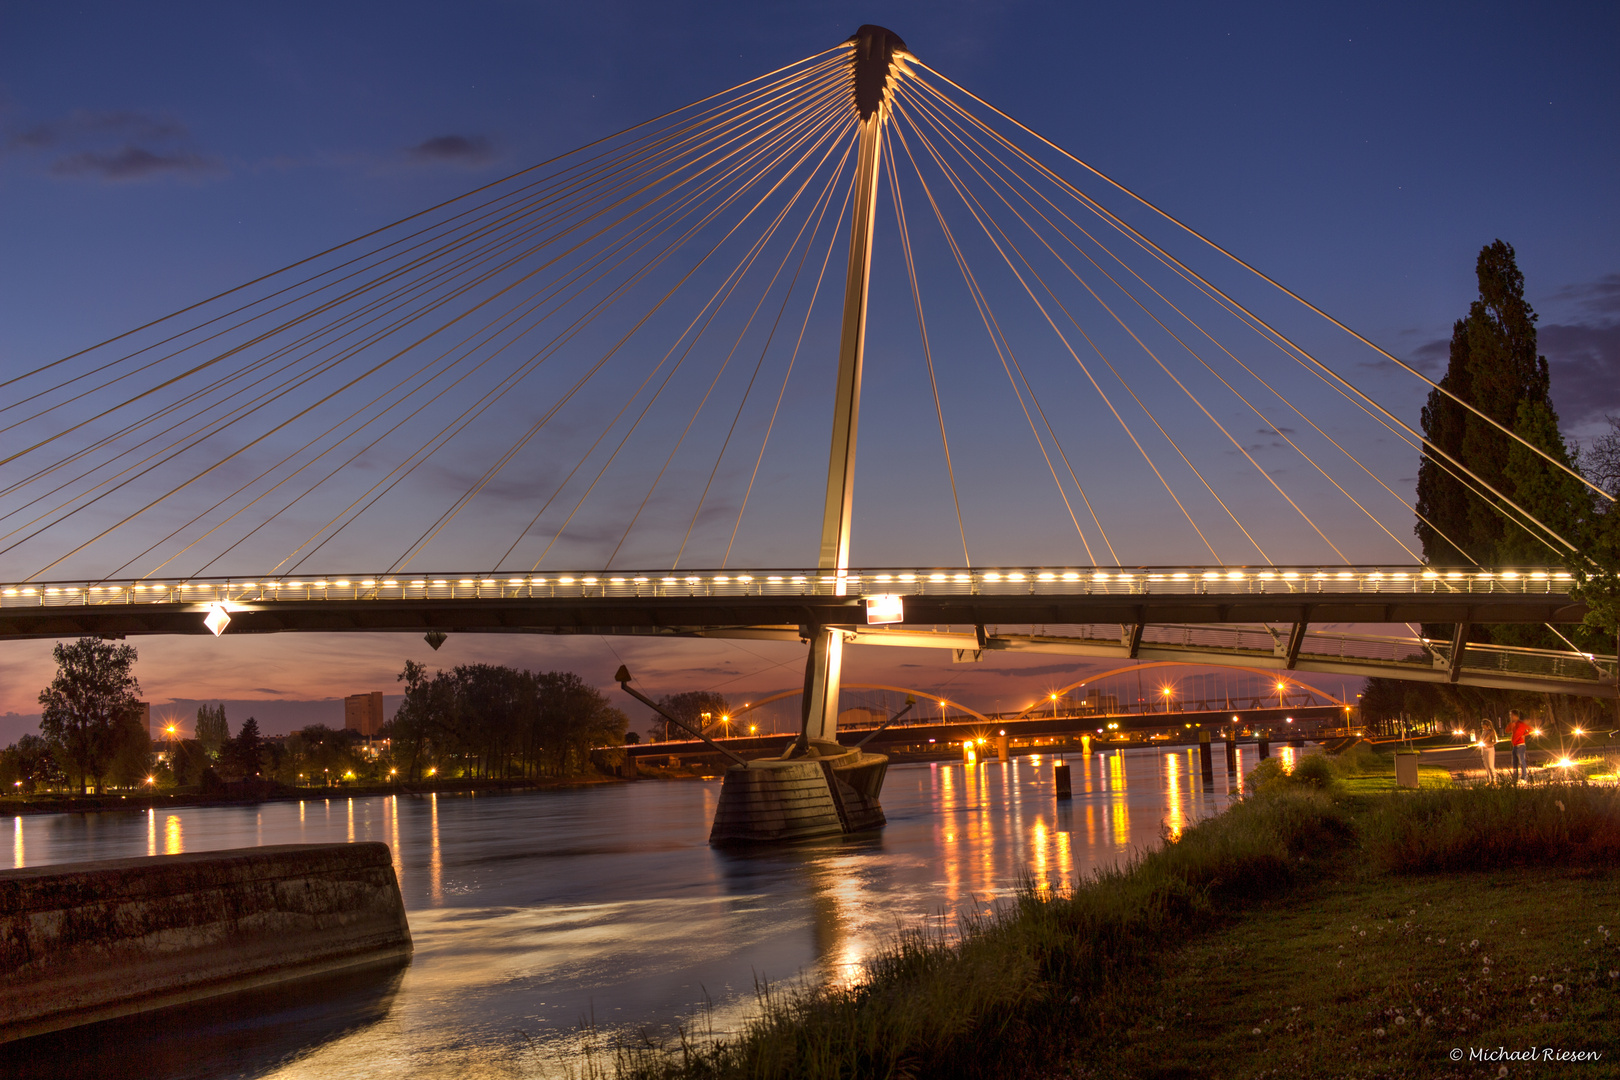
<point>532,912</point>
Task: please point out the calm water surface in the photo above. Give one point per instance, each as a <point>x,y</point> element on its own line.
<point>533,913</point>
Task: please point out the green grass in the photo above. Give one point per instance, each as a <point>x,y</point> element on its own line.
<point>1307,931</point>
<point>1373,977</point>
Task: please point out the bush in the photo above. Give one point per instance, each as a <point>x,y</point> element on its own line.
<point>1488,828</point>
<point>1315,771</point>
<point>1359,759</point>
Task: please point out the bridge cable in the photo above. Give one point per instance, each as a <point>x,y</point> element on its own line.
<point>1275,284</point>
<point>1072,353</point>
<point>404,559</point>
<point>1003,351</point>
<point>928,358</point>
<point>702,403</point>
<point>1328,373</point>
<point>945,132</point>
<point>787,375</point>
<point>476,307</point>
<point>439,206</point>
<point>823,201</point>
<point>672,349</point>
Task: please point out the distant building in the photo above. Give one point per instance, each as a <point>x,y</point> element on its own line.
<point>143,713</point>
<point>363,713</point>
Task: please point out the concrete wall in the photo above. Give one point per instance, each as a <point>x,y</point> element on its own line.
<point>89,941</point>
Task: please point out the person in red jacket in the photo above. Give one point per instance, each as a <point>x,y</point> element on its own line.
<point>1517,730</point>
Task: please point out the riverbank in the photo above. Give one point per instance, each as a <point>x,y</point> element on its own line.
<point>1310,930</point>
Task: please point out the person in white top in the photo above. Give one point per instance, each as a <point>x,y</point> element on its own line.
<point>1487,747</point>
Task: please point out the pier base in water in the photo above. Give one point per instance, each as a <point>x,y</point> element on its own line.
<point>827,791</point>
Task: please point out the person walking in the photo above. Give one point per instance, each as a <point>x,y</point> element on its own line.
<point>1517,730</point>
<point>1487,748</point>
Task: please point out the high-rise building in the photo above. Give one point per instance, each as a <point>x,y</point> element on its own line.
<point>363,713</point>
<point>143,713</point>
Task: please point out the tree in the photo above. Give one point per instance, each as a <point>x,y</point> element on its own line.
<point>1495,368</point>
<point>28,763</point>
<point>131,761</point>
<point>93,692</point>
<point>240,759</point>
<point>318,754</point>
<point>212,730</point>
<point>690,707</point>
<point>1601,461</point>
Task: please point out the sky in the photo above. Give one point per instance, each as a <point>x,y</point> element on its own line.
<point>1362,154</point>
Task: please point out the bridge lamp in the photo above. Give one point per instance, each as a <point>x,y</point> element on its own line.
<point>885,608</point>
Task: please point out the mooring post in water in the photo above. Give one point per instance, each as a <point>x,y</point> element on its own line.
<point>1265,748</point>
<point>1231,753</point>
<point>1061,775</point>
<point>1002,747</point>
<point>1206,765</point>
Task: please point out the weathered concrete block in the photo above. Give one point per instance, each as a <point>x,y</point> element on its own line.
<point>83,942</point>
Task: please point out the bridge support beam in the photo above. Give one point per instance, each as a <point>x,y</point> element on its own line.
<point>1296,638</point>
<point>1459,643</point>
<point>823,673</point>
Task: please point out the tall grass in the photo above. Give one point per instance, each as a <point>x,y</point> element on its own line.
<point>1496,826</point>
<point>992,1002</point>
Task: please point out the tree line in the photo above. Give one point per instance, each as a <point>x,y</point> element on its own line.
<point>475,721</point>
<point>487,720</point>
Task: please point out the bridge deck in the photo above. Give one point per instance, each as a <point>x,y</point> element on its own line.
<point>1074,611</point>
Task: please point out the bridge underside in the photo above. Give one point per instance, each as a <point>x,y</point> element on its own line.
<point>1190,628</point>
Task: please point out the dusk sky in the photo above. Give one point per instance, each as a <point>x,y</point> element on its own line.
<point>154,155</point>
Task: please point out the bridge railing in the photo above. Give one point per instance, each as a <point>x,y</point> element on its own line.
<point>1338,580</point>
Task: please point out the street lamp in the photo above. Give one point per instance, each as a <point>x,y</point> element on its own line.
<point>1054,706</point>
<point>1165,690</point>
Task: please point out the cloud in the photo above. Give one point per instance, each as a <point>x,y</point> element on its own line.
<point>1585,363</point>
<point>84,124</point>
<point>114,147</point>
<point>1431,357</point>
<point>1276,431</point>
<point>470,150</point>
<point>1601,297</point>
<point>134,163</point>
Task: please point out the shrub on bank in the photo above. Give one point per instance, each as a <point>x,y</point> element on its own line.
<point>1496,826</point>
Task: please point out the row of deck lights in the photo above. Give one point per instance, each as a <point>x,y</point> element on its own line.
<point>910,577</point>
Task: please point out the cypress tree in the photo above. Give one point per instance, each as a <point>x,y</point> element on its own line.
<point>1494,366</point>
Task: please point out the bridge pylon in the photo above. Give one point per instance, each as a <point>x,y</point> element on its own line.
<point>784,799</point>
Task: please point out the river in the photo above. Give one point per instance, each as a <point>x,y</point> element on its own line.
<point>537,913</point>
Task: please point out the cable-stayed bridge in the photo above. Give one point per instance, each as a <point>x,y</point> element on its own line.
<point>625,356</point>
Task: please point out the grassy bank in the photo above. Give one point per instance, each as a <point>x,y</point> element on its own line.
<point>1309,930</point>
